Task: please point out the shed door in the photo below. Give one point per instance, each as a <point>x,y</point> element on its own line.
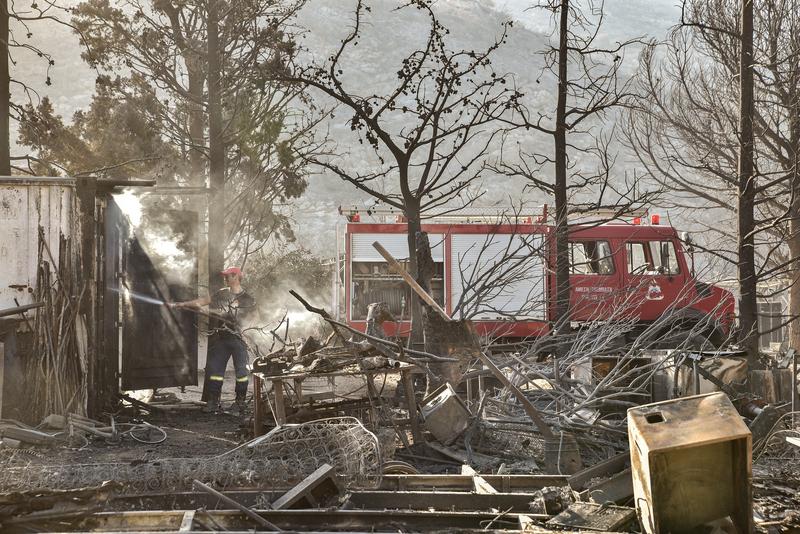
<point>158,345</point>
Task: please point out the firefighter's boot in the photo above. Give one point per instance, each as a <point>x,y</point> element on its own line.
<point>238,407</point>
<point>212,404</point>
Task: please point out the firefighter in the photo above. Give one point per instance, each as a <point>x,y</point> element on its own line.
<point>228,307</point>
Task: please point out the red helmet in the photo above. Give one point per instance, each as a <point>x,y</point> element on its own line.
<point>231,270</point>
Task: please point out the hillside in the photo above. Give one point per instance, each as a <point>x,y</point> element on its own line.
<point>389,36</point>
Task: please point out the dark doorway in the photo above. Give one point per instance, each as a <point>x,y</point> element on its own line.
<point>153,263</point>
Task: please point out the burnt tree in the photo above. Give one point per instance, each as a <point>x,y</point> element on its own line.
<point>748,308</point>
<point>694,131</point>
<point>443,337</point>
<point>428,132</point>
<point>589,89</point>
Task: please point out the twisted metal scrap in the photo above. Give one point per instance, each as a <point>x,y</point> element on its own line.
<point>284,456</point>
<point>342,442</point>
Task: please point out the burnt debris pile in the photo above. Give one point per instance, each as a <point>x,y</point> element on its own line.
<point>361,431</point>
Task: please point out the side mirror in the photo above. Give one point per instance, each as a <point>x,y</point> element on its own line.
<point>686,237</point>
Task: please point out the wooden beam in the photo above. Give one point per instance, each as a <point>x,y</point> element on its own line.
<point>395,265</point>
<point>604,469</point>
<point>444,498</point>
<point>532,412</point>
<point>280,404</point>
<point>319,485</point>
<point>503,483</point>
<point>296,520</point>
<point>20,309</point>
<point>196,484</point>
<point>411,406</point>
<point>187,522</point>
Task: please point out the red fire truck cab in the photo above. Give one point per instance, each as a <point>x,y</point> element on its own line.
<point>500,274</point>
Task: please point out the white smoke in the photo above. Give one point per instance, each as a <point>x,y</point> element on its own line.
<point>158,239</point>
<point>130,205</point>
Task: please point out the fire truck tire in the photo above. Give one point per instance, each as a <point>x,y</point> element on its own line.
<point>683,338</point>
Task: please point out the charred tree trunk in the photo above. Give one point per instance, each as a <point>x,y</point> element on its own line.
<point>444,338</point>
<point>414,217</point>
<point>560,187</point>
<point>5,95</point>
<point>377,314</point>
<point>195,72</point>
<point>794,280</point>
<point>424,261</point>
<point>748,307</point>
<point>794,229</point>
<point>216,205</point>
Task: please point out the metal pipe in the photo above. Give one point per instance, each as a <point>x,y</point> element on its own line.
<point>20,309</point>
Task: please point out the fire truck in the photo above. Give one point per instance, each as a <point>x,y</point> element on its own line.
<point>499,271</point>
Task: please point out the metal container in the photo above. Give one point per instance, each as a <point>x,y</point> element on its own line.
<point>445,414</point>
<point>691,462</point>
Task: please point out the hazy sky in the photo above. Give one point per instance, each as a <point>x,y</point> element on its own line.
<point>73,82</point>
<point>629,17</point>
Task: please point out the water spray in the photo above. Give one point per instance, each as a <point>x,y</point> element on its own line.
<point>138,296</point>
<point>150,300</point>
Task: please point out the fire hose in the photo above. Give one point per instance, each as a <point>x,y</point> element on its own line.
<point>143,432</point>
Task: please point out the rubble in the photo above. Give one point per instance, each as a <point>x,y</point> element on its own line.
<point>595,517</point>
<point>285,454</point>
<point>320,489</point>
<point>344,438</point>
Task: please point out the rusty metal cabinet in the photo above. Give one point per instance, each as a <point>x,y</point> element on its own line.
<point>691,461</point>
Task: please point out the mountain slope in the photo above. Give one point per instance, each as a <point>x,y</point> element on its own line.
<point>389,36</point>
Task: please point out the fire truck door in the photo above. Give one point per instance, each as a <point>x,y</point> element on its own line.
<point>594,279</point>
<point>654,280</point>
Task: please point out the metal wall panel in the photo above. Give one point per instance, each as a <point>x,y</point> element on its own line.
<point>397,244</point>
<point>513,267</point>
<point>24,207</point>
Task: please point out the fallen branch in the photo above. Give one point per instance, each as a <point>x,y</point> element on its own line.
<point>395,265</point>
<point>415,356</point>
<point>532,412</point>
<point>319,311</point>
